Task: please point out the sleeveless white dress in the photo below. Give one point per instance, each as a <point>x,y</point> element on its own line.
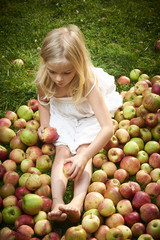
<point>77,124</point>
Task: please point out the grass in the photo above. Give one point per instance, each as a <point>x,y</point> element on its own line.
<point>120,35</point>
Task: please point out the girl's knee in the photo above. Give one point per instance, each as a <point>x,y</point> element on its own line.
<point>63,150</point>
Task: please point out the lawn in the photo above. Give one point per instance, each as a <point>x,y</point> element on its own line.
<point>120,35</point>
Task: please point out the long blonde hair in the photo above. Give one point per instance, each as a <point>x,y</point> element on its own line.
<point>68,43</point>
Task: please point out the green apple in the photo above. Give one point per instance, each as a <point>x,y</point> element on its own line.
<point>129,112</point>
<point>145,134</point>
<point>114,233</point>
<point>153,228</point>
<point>134,130</point>
<point>75,233</point>
<point>32,203</point>
<point>131,148</point>
<point>156,132</point>
<point>90,223</point>
<point>29,136</point>
<point>25,112</point>
<point>135,74</point>
<point>10,213</point>
<point>142,157</point>
<point>139,142</point>
<point>152,147</point>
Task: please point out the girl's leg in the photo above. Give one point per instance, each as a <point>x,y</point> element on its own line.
<point>58,183</point>
<point>75,207</point>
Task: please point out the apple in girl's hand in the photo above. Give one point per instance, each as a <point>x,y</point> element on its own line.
<point>66,168</point>
<point>50,135</point>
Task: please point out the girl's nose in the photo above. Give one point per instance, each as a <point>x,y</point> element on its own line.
<point>58,77</point>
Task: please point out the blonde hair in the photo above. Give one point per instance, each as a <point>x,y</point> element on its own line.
<point>68,43</point>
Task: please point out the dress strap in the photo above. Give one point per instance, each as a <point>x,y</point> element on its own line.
<point>91,87</point>
<point>44,104</point>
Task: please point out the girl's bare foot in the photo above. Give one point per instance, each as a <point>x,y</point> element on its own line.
<point>71,211</point>
<point>57,215</point>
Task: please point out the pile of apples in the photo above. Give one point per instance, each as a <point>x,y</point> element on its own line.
<point>123,198</point>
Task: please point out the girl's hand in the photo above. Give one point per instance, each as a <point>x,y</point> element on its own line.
<point>78,165</point>
<point>40,131</point>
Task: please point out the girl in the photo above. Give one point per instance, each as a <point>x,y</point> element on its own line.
<point>78,100</point>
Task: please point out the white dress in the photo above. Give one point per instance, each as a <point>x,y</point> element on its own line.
<point>77,124</point>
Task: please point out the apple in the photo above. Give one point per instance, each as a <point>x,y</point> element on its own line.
<point>5,122</point>
<point>48,149</point>
<point>145,236</point>
<point>109,168</point>
<point>17,155</point>
<point>139,142</point>
<point>130,96</point>
<point>113,142</point>
<point>143,178</point>
<point>106,207</point>
<point>24,219</point>
<point>94,211</point>
<point>10,213</point>
<point>139,199</point>
<point>139,121</point>
<point>47,204</point>
<point>134,130</point>
<point>113,182</point>
<point>49,135</point>
<point>122,135</point>
<point>51,236</point>
<point>156,132</point>
<point>143,76</point>
<point>1,201</point>
<point>34,170</point>
<point>100,234</point>
<point>151,120</point>
<point>155,174</point>
<point>114,194</point>
<point>156,88</point>
<point>99,176</point>
<point>33,182</point>
<point>153,228</point>
<point>128,190</point>
<point>115,155</point>
<point>36,116</point>
<point>66,168</point>
<point>115,124</point>
<point>2,171</point>
<point>114,220</point>
<point>23,178</point>
<point>24,232</point>
<point>10,165</point>
<point>114,233</point>
<point>33,104</point>
<point>155,79</point>
<point>131,148</point>
<point>131,218</point>
<point>11,177</point>
<point>6,190</point>
<point>97,187</point>
<point>146,167</point>
<point>141,111</point>
<point>43,163</point>
<point>129,112</point>
<point>147,90</point>
<point>124,124</point>
<point>119,116</point>
<point>10,201</point>
<point>92,200</point>
<point>138,101</point>
<point>43,190</point>
<point>148,212</point>
<point>124,206</point>
<point>121,174</point>
<point>140,86</point>
<point>18,62</point>
<point>123,80</point>
<point>26,164</point>
<point>3,153</point>
<point>130,164</point>
<point>75,233</point>
<point>17,143</point>
<point>145,134</point>
<point>90,223</point>
<point>135,74</point>
<point>7,233</point>
<point>154,160</point>
<point>32,203</point>
<point>33,152</point>
<point>42,227</point>
<point>41,215</point>
<point>151,102</point>
<point>152,147</point>
<point>29,136</point>
<point>99,159</point>
<point>33,124</point>
<point>19,123</point>
<point>45,179</point>
<point>21,191</point>
<point>138,229</point>
<point>11,115</point>
<point>6,134</point>
<point>142,156</point>
<point>127,233</point>
<point>25,112</point>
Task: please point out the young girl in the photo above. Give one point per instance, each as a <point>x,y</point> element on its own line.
<point>78,100</point>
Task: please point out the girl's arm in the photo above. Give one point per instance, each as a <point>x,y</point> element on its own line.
<point>44,112</point>
<point>103,116</point>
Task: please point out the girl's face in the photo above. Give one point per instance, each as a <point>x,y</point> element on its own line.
<point>61,73</point>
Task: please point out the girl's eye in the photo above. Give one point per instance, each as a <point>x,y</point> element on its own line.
<point>67,72</point>
<point>51,72</point>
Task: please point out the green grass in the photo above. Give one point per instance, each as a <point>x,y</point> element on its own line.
<point>119,34</point>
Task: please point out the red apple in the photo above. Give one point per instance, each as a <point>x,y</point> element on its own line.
<point>154,160</point>
<point>6,190</point>
<point>51,236</point>
<point>99,159</point>
<point>143,178</point>
<point>128,189</point>
<point>10,201</point>
<point>114,194</point>
<point>50,135</point>
<point>21,192</point>
<point>121,174</point>
<point>139,121</point>
<point>124,123</point>
<point>155,79</point>
<point>66,168</point>
<point>97,187</point>
<point>2,171</point>
<point>101,232</point>
<point>130,164</point>
<point>47,204</point>
<point>33,104</point>
<point>132,218</point>
<point>153,189</point>
<point>139,199</point>
<point>11,115</point>
<point>122,135</point>
<point>138,229</point>
<point>17,155</point>
<point>113,182</point>
<point>11,177</point>
<point>151,119</point>
<point>151,102</point>
<point>114,220</point>
<point>17,143</point>
<point>92,200</point>
<point>123,80</point>
<point>115,154</point>
<point>148,212</point>
<point>24,219</point>
<point>3,153</point>
<point>24,232</point>
<point>43,190</point>
<point>48,149</point>
<point>5,122</point>
<point>19,123</point>
<point>124,206</point>
<point>113,142</point>
<point>33,152</point>
<point>7,233</point>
